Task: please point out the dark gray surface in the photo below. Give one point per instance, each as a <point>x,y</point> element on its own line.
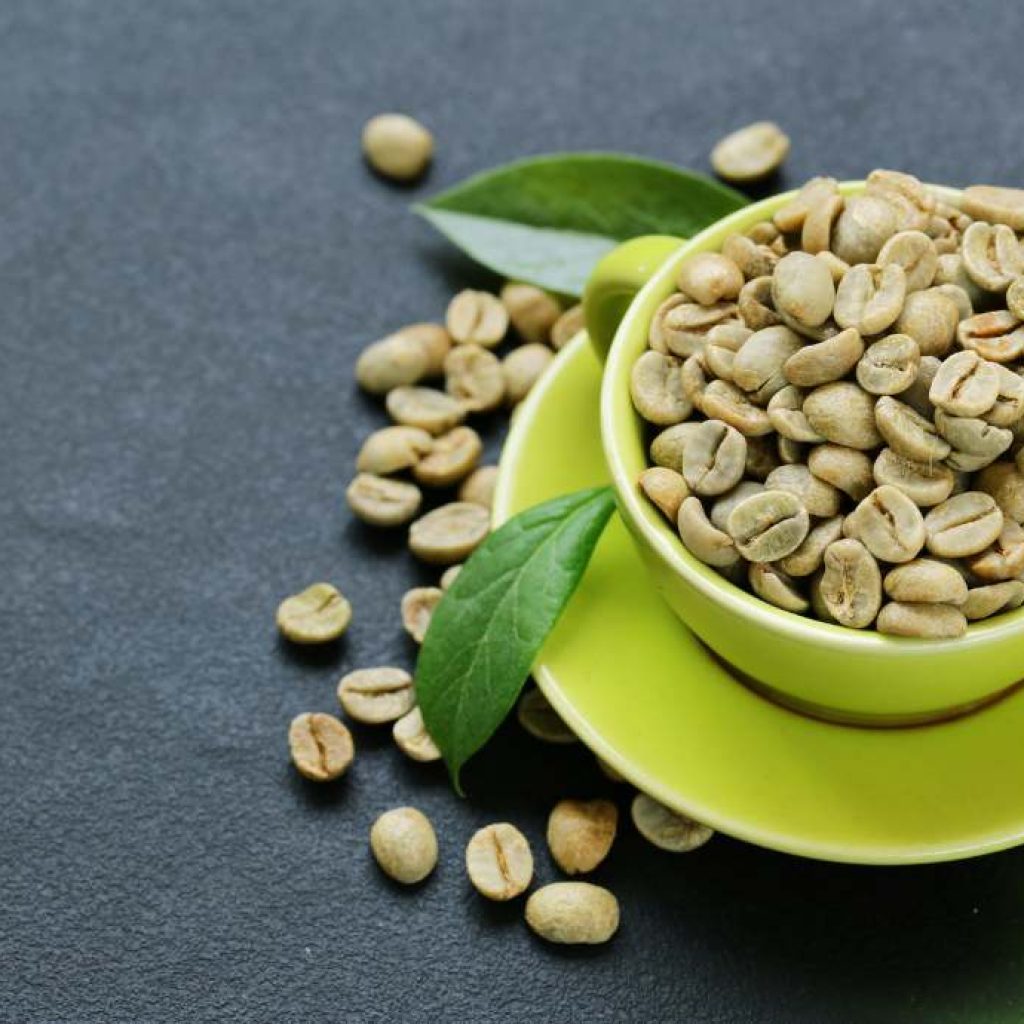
<point>192,253</point>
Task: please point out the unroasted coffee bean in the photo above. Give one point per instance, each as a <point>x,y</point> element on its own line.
<point>757,366</point>
<point>818,497</point>
<point>959,296</point>
<point>1009,405</point>
<point>656,387</point>
<point>710,277</point>
<point>723,342</point>
<point>807,558</point>
<point>803,289</point>
<point>754,259</point>
<point>666,488</point>
<point>474,376</point>
<point>667,447</point>
<point>992,255</point>
<point>418,607</point>
<point>694,379</point>
<point>931,319</point>
<point>479,486</point>
<point>865,225</point>
<point>1005,483</point>
<point>522,368</point>
<point>750,153</point>
<point>376,695</point>
<point>404,845</point>
<point>573,913</point>
<point>380,501</point>
<point>393,361</point>
<point>911,201</point>
<point>316,615</point>
<point>541,720</point>
<point>816,233</point>
<point>915,252</point>
<point>836,267</point>
<point>908,433</point>
<point>930,621</point>
<point>724,401</point>
<point>996,204</point>
<point>771,584</point>
<point>889,366</point>
<point>845,468</point>
<point>1015,298</point>
<point>844,414</point>
<point>925,483</point>
<point>393,449</point>
<point>413,740</point>
<point>667,829</point>
<point>791,216</point>
<point>567,326</point>
<point>790,452</point>
<point>722,508</point>
<point>397,146</point>
<point>450,575</point>
<point>925,581</point>
<point>425,408</point>
<point>916,396</point>
<point>321,746</point>
<point>580,833</point>
<point>965,385</point>
<point>825,361</point>
<point>681,327</point>
<point>713,458</point>
<point>870,297</point>
<point>451,458</point>
<point>532,310</point>
<point>850,588</point>
<point>963,525</point>
<point>996,336</point>
<point>1004,560</point>
<point>979,441</point>
<point>785,411</point>
<point>704,540</point>
<point>476,317</point>
<point>450,533</point>
<point>499,861</point>
<point>755,304</point>
<point>888,524</point>
<point>982,602</point>
<point>768,526</point>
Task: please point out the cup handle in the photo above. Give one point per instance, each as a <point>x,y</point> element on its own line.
<point>615,282</point>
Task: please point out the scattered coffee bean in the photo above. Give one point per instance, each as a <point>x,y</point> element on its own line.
<point>476,318</point>
<point>541,720</point>
<point>451,458</point>
<point>567,326</point>
<point>522,368</point>
<point>474,376</point>
<point>376,695</point>
<point>573,913</point>
<point>315,615</point>
<point>532,310</point>
<point>392,449</point>
<point>380,501</point>
<point>404,844</point>
<point>479,486</point>
<point>750,153</point>
<point>667,829</point>
<point>425,408</point>
<point>397,360</point>
<point>450,533</point>
<point>418,607</point>
<point>321,746</point>
<point>449,576</point>
<point>499,862</point>
<point>396,146</point>
<point>580,833</point>
<point>412,738</point>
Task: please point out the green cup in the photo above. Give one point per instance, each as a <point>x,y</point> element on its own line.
<point>815,667</point>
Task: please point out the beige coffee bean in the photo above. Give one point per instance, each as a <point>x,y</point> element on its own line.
<point>924,483</point>
<point>888,524</point>
<point>931,319</point>
<point>424,408</point>
<point>754,259</point>
<point>1004,481</point>
<point>656,386</point>
<point>771,584</point>
<point>889,366</point>
<point>580,833</point>
<point>848,469</point>
<point>803,289</point>
<point>523,367</point>
<point>836,267</point>
<point>816,233</point>
<point>916,396</point>
<point>790,452</point>
<point>820,499</point>
<point>1009,405</point>
<point>478,487</point>
<point>656,339</point>
<point>972,437</point>
<point>532,310</point>
<point>477,318</point>
<point>870,297</point>
<point>667,829</point>
<point>791,216</point>
<point>915,252</point>
<point>380,501</point>
<point>908,433</point>
<point>413,740</point>
<point>826,361</point>
<point>750,153</point>
<point>452,457</point>
<point>693,379</point>
<point>990,600</point>
<point>714,458</point>
<point>435,342</point>
<point>404,845</point>
<point>785,411</point>
<point>996,204</point>
<point>992,255</point>
<point>757,366</point>
<point>768,526</point>
<point>928,621</point>
<point>850,587</point>
<point>474,376</point>
<point>573,913</point>
<point>710,277</point>
<point>844,414</point>
<point>541,720</point>
<point>724,401</point>
<point>321,746</point>
<point>723,342</point>
<point>722,508</point>
<point>397,360</point>
<point>376,695</point>
<point>808,557</point>
<point>762,457</point>
<point>667,448</point>
<point>702,539</point>
<point>755,305</point>
<point>965,384</point>
<point>764,232</point>
<point>666,489</point>
<point>925,581</point>
<point>963,525</point>
<point>996,336</point>
<point>911,200</point>
<point>1015,297</point>
<point>1004,560</point>
<point>567,326</point>
<point>449,576</point>
<point>450,533</point>
<point>393,449</point>
<point>865,225</point>
<point>316,615</point>
<point>950,271</point>
<point>397,146</point>
<point>959,297</point>
<point>681,327</point>
<point>499,862</point>
<point>418,607</point>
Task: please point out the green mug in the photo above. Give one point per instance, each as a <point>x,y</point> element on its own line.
<point>841,674</point>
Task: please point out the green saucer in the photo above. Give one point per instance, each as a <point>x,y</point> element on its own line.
<point>644,694</point>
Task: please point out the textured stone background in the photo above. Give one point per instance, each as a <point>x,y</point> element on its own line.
<point>191,254</point>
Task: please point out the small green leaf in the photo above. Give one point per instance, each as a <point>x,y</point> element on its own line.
<point>549,219</point>
<point>490,626</point>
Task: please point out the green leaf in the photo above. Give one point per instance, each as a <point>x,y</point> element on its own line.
<point>491,624</point>
<point>549,219</point>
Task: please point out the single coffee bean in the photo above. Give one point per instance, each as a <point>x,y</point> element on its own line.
<point>523,367</point>
<point>321,746</point>
<point>532,310</point>
<point>754,259</point>
<point>925,581</point>
<point>722,508</point>
<point>992,255</point>
<point>972,437</point>
<point>1004,481</point>
<point>785,411</point>
<point>750,153</point>
<point>418,607</point>
<point>924,483</point>
<point>865,225</point>
<point>791,216</point>
<point>541,720</point>
<point>435,342</point>
<point>844,414</point>
<point>666,489</point>
<point>723,342</point>
<point>912,202</point>
<point>451,458</point>
<point>820,499</point>
<point>667,829</point>
<point>449,576</point>
<point>573,913</point>
<point>425,409</point>
<point>567,326</point>
<point>450,533</point>
<point>950,271</point>
<point>392,449</point>
<point>848,469</point>
<point>996,204</point>
<point>376,695</point>
<point>888,524</point>
<point>478,488</point>
<point>757,366</point>
<point>580,833</point>
<point>803,289</point>
<point>1015,297</point>
<point>474,376</point>
<point>724,401</point>
<point>916,396</point>
<point>965,385</point>
<point>850,587</point>
<point>710,277</point>
<point>771,584</point>
<point>477,318</point>
<point>768,526</point>
<point>807,558</point>
<point>963,525</point>
<point>316,615</point>
<point>702,539</point>
<point>1009,405</point>
<point>683,326</point>
<point>755,304</point>
<point>694,379</point>
<point>764,232</point>
<point>836,267</point>
<point>915,252</point>
<point>928,621</point>
<point>1004,560</point>
<point>404,845</point>
<point>397,146</point>
<point>825,361</point>
<point>990,600</point>
<point>931,319</point>
<point>380,501</point>
<point>713,458</point>
<point>667,447</point>
<point>908,433</point>
<point>413,740</point>
<point>889,366</point>
<point>996,336</point>
<point>396,360</point>
<point>499,862</point>
<point>870,297</point>
<point>656,387</point>
<point>816,233</point>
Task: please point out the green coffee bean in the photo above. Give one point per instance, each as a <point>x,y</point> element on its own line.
<point>865,225</point>
<point>908,433</point>
<point>785,411</point>
<point>750,153</point>
<point>768,526</point>
<point>380,501</point>
<point>532,310</point>
<point>803,289</point>
<point>931,319</point>
<point>925,484</point>
<point>847,469</point>
<point>771,584</point>
<point>393,449</point>
<point>996,336</point>
<point>713,458</point>
<point>915,252</point>
<point>826,361</point>
<point>992,256</point>
<point>1004,481</point>
<point>870,298</point>
<point>376,695</point>
<point>888,524</point>
<point>666,489</point>
<point>963,525</point>
<point>889,366</point>
<point>807,558</point>
<point>573,913</point>
<point>820,499</point>
<point>476,317</point>
<point>965,385</point>
<point>656,387</point>
<point>710,277</point>
<point>925,581</point>
<point>316,615</point>
<point>928,621</point>
<point>850,587</point>
<point>995,203</point>
<point>757,366</point>
<point>1004,559</point>
<point>702,539</point>
<point>844,414</point>
<point>321,746</point>
<point>983,602</point>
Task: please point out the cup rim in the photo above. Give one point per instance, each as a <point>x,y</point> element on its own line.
<point>618,417</point>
